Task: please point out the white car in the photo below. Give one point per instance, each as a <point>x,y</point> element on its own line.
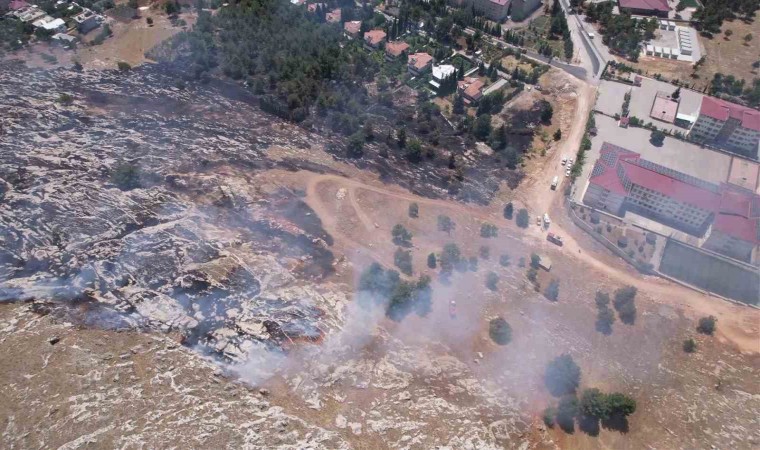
<point>567,173</point>
<point>564,160</point>
<point>570,162</point>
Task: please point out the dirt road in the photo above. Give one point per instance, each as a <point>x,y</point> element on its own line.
<point>739,326</point>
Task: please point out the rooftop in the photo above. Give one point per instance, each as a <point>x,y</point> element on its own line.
<point>722,110</point>
<point>352,27</point>
<point>396,48</point>
<point>471,87</point>
<point>652,5</point>
<point>374,37</point>
<point>664,108</point>
<point>333,16</point>
<point>443,71</point>
<point>420,60</point>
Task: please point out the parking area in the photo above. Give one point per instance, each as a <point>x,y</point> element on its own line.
<point>642,99</point>
<point>679,155</point>
<point>611,96</point>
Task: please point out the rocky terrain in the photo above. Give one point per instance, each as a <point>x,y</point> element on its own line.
<point>212,303</point>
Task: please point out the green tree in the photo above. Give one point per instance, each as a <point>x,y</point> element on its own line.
<point>566,412</point>
<point>355,145</point>
<point>676,94</point>
<point>504,260</point>
<point>482,128</point>
<point>547,112</point>
<point>458,105</point>
<point>123,66</point>
<point>620,404</point>
<point>488,230</point>
<point>558,135</point>
<point>552,290</point>
<point>549,414</point>
<point>605,316</point>
<point>431,261</point>
<point>450,256</point>
<point>403,260</point>
<point>523,219</point>
<point>594,404</point>
<point>624,304</point>
<point>707,325</point>
<point>532,274</point>
<point>508,211</point>
<point>657,138</point>
<point>401,236</point>
<point>535,261</point>
<point>562,376</point>
<point>414,151</point>
<point>747,38</point>
<point>500,331</point>
<point>690,345</point>
<point>149,21</point>
<point>414,210</point>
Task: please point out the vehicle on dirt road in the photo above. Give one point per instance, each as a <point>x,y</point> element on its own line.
<point>554,239</point>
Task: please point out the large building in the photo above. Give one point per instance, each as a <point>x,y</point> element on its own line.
<point>657,8</point>
<point>496,10</point>
<point>728,124</point>
<point>521,9</point>
<point>729,216</point>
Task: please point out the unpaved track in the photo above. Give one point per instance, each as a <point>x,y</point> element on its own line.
<point>738,325</point>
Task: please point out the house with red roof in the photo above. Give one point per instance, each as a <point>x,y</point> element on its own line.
<point>471,89</point>
<point>373,39</point>
<point>727,124</point>
<point>333,16</point>
<point>395,49</point>
<point>352,28</point>
<point>419,63</point>
<point>657,8</point>
<point>730,216</point>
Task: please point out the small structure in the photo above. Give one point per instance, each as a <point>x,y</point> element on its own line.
<point>373,39</point>
<point>544,262</point>
<point>637,80</point>
<point>65,40</point>
<point>623,122</point>
<point>419,63</point>
<point>395,49</point>
<point>352,29</point>
<point>664,108</point>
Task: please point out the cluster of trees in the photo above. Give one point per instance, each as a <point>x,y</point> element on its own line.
<point>710,15</point>
<point>559,28</point>
<point>523,218</point>
<point>729,85</point>
<point>488,230</point>
<point>605,317</point>
<point>622,33</point>
<point>562,379</point>
<point>400,298</point>
<point>403,260</point>
<point>624,304</point>
<point>401,236</point>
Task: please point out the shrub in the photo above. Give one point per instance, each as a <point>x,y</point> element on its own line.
<point>549,414</point>
<point>431,263</point>
<point>508,211</point>
<point>504,260</point>
<point>535,260</point>
<point>123,66</point>
<point>403,260</point>
<point>521,262</point>
<point>65,99</point>
<point>562,376</point>
<point>445,224</point>
<point>566,412</point>
<point>488,230</point>
<point>126,176</point>
<point>401,236</point>
<point>595,217</point>
<point>707,325</point>
<point>414,210</point>
<point>484,252</point>
<point>594,404</point>
<point>149,20</point>
<point>500,331</point>
<point>449,257</point>
<point>492,281</point>
<point>523,219</point>
<point>532,274</point>
<point>690,345</point>
<point>605,316</point>
<point>657,138</point>
<point>552,290</point>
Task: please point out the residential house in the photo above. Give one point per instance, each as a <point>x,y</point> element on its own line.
<point>725,123</point>
<point>373,39</point>
<point>419,63</point>
<point>657,8</point>
<point>440,73</point>
<point>87,20</point>
<point>333,16</point>
<point>471,89</point>
<point>395,49</point>
<point>50,24</point>
<point>352,29</point>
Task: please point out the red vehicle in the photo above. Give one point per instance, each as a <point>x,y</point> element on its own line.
<point>554,239</point>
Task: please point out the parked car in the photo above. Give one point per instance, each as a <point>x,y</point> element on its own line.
<point>567,173</point>
<point>538,220</point>
<point>547,221</point>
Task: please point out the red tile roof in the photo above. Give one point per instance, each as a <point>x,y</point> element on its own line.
<point>420,60</point>
<point>737,211</point>
<point>352,27</point>
<point>471,87</point>
<point>17,4</point>
<point>374,37</point>
<point>333,16</point>
<point>652,5</point>
<point>722,110</point>
<point>396,48</point>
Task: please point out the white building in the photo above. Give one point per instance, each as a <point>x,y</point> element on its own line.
<point>440,73</point>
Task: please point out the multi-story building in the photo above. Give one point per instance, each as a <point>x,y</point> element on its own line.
<point>521,9</point>
<point>730,216</point>
<point>352,28</point>
<point>373,39</point>
<point>496,10</point>
<point>727,124</point>
<point>395,49</point>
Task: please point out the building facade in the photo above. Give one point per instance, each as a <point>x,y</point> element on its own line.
<point>521,9</point>
<point>419,63</point>
<point>728,216</point>
<point>496,10</point>
<point>727,124</point>
<point>658,8</point>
